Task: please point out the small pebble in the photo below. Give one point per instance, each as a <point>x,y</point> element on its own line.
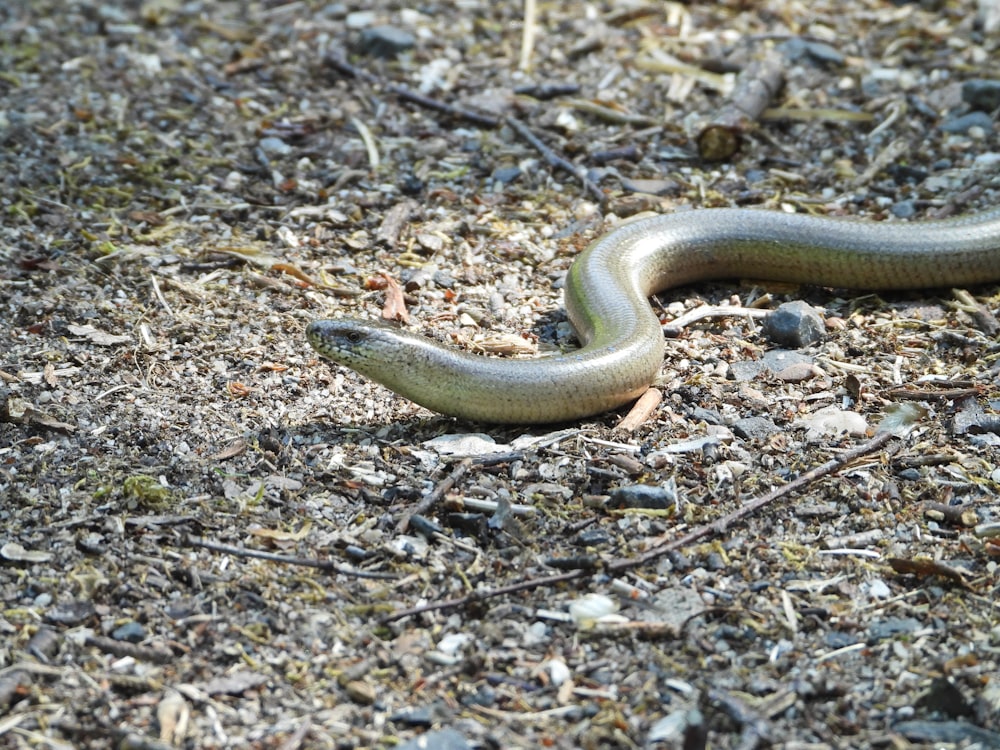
<point>838,639</point>
<point>274,146</point>
<point>131,632</point>
<point>360,692</point>
<point>652,187</point>
<point>646,496</point>
<point>904,209</point>
<point>506,175</point>
<point>746,370</point>
<point>708,416</point>
<point>385,41</point>
<point>440,739</point>
<point>794,324</point>
<point>70,613</point>
<point>754,428</point>
<point>945,698</point>
<point>982,94</point>
<point>44,644</point>
<point>965,123</point>
<point>893,627</point>
<point>417,716</point>
<point>592,538</point>
<point>360,19</point>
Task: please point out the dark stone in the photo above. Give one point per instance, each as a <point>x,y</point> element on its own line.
<point>797,48</point>
<point>794,324</point>
<point>385,41</point>
<point>425,526</point>
<point>824,53</point>
<point>708,416</point>
<point>982,94</point>
<point>411,185</point>
<point>642,496</point>
<point>484,696</point>
<point>592,538</point>
<point>945,699</point>
<point>418,716</point>
<point>715,562</point>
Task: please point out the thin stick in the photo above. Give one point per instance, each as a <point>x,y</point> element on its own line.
<point>475,596</point>
<point>487,121</point>
<point>720,525</point>
<point>324,565</point>
<point>406,94</point>
<point>556,161</point>
<point>436,494</point>
<point>625,563</point>
<point>530,26</point>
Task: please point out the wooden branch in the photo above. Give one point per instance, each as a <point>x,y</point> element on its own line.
<point>756,86</point>
<point>705,531</point>
<point>487,121</point>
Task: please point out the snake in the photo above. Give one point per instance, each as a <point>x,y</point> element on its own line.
<point>621,341</point>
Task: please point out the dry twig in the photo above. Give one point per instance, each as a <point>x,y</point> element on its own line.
<point>324,565</point>
<point>705,531</point>
<point>759,82</point>
<point>487,121</point>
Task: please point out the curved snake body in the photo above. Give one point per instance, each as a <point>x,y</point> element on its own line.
<point>606,298</point>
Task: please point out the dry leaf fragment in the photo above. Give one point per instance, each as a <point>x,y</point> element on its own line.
<point>96,336</point>
<point>395,306</point>
<point>16,553</point>
<point>234,684</point>
<point>21,411</point>
<point>49,375</point>
<point>235,448</point>
<point>295,272</point>
<point>283,539</point>
<point>173,715</point>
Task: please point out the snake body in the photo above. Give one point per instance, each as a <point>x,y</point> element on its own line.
<point>606,295</point>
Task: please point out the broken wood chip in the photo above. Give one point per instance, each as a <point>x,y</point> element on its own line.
<point>923,567</point>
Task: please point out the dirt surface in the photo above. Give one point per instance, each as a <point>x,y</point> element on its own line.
<point>186,184</point>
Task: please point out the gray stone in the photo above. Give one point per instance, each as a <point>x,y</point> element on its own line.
<point>966,122</point>
<point>754,428</point>
<point>643,496</point>
<point>505,175</point>
<point>441,739</point>
<point>794,324</point>
<point>982,94</point>
<point>385,41</point>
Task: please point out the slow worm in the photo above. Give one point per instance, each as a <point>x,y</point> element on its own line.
<point>606,298</point>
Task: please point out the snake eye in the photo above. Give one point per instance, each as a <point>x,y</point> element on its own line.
<point>354,337</point>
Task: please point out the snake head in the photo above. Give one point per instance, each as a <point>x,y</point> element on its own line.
<point>358,344</point>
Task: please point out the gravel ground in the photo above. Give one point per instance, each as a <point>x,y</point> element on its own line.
<point>211,538</point>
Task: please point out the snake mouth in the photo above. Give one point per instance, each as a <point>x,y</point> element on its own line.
<point>322,336</point>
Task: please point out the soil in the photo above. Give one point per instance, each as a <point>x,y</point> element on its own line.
<point>213,538</point>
